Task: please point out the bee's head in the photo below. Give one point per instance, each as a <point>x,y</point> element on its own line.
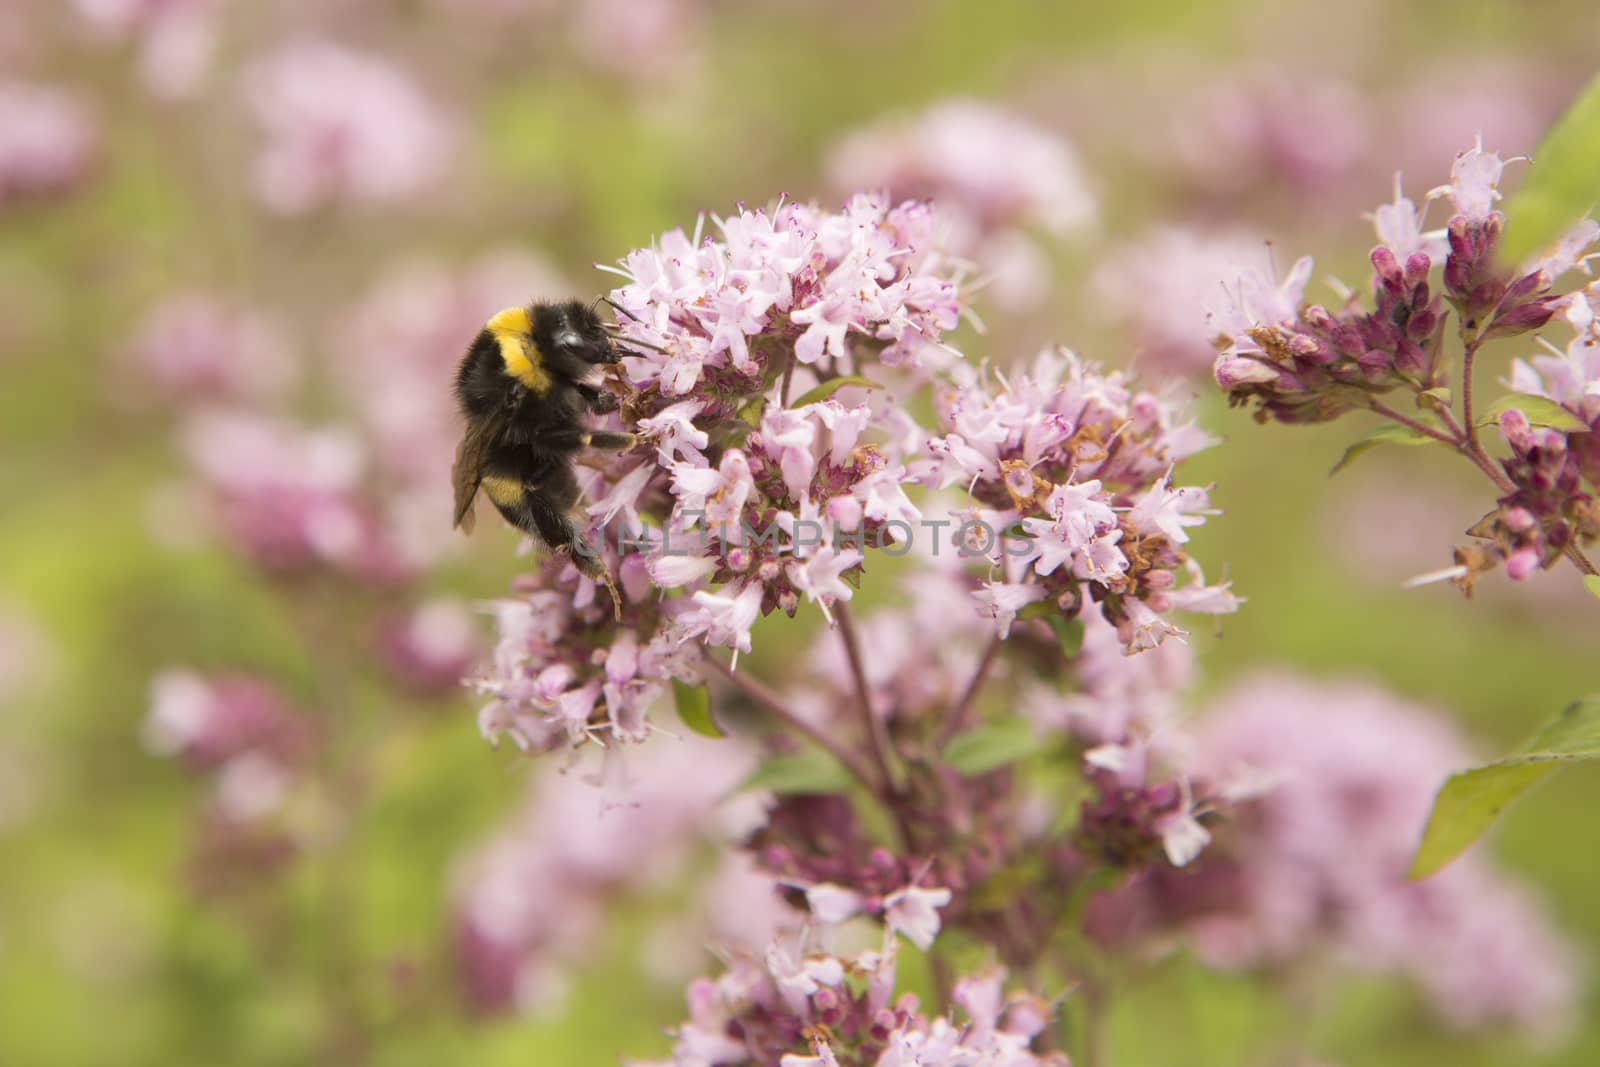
<point>572,331</point>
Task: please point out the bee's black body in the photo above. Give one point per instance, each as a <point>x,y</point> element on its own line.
<point>523,387</point>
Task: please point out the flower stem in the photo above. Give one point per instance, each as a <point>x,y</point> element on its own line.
<point>877,730</point>
<point>1407,421</point>
<point>969,696</point>
<point>772,702</point>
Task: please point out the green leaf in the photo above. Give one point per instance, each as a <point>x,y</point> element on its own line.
<point>1540,410</point>
<point>1390,433</point>
<point>1469,801</point>
<point>1434,399</point>
<point>694,708</point>
<point>1561,186</point>
<point>833,385</point>
<point>751,413</point>
<point>1591,582</point>
<point>1070,633</point>
<point>991,745</point>
<point>808,772</point>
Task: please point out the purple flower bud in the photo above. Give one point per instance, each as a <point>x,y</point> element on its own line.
<point>1530,316</point>
<point>1388,268</point>
<point>1417,266</point>
<point>1522,563</point>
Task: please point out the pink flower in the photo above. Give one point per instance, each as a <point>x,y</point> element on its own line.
<point>1474,183</point>
<point>434,645</point>
<point>1164,282</point>
<point>290,497</point>
<point>913,913</point>
<point>1319,860</point>
<point>1032,454</point>
<point>194,347</point>
<point>724,618</point>
<point>982,161</point>
<point>530,901</point>
<point>342,125</point>
<point>237,728</point>
<point>1269,126</point>
<point>1399,228</point>
<point>176,38</point>
<point>48,138</point>
<point>813,1009</point>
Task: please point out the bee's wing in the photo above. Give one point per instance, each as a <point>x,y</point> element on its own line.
<point>468,470</point>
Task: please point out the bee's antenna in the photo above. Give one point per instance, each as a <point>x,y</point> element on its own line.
<point>619,307</point>
<point>628,342</point>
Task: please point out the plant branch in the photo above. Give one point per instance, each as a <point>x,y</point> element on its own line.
<point>877,731</point>
<point>772,702</point>
<point>1417,425</point>
<point>969,696</point>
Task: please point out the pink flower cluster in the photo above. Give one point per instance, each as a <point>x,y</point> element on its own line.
<point>1081,461</point>
<point>994,176</point>
<point>195,348</point>
<point>745,493</point>
<point>1315,863</point>
<point>998,169</point>
<point>342,125</point>
<point>812,1009</point>
<point>1554,471</point>
<point>1310,364</point>
<point>1164,284</point>
<point>48,138</point>
<point>235,727</point>
<point>532,901</point>
<point>832,288</point>
<point>292,497</point>
<point>175,39</point>
<point>742,503</point>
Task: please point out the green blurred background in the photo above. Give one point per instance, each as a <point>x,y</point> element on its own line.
<point>107,957</point>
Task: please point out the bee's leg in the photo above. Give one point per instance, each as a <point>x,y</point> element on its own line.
<point>547,510</point>
<point>612,442</point>
<point>574,440</point>
<point>600,401</point>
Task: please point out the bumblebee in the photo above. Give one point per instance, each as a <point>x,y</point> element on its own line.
<point>524,385</point>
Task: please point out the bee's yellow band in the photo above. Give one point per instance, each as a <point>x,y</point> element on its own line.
<point>513,330</point>
<point>506,492</point>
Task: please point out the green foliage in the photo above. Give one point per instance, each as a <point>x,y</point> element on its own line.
<point>1391,433</point>
<point>1539,410</point>
<point>1469,801</point>
<point>833,385</point>
<point>694,708</point>
<point>807,772</point>
<point>991,745</point>
<point>1564,182</point>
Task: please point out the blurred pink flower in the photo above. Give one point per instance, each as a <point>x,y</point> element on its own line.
<point>433,645</point>
<point>290,497</point>
<point>1164,283</point>
<point>1263,126</point>
<point>993,175</point>
<point>238,728</point>
<point>175,38</point>
<point>646,40</point>
<point>195,347</point>
<point>531,901</point>
<point>340,125</point>
<point>1508,102</point>
<point>48,138</point>
<point>995,166</point>
<point>1320,859</point>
